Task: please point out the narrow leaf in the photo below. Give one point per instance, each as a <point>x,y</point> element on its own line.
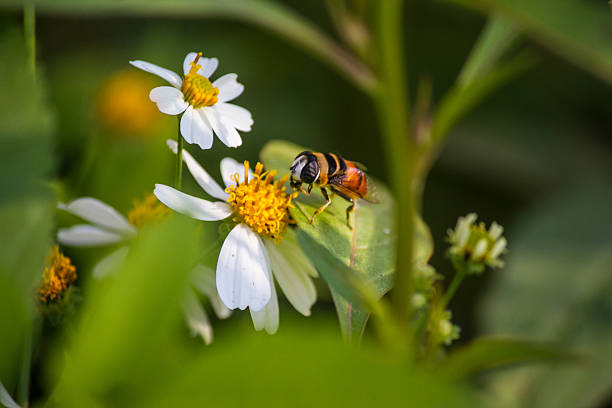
<point>576,30</point>
<point>461,99</point>
<point>496,37</point>
<point>488,353</point>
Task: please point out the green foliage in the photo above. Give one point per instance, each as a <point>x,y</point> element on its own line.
<point>26,205</point>
<point>576,30</point>
<point>127,320</point>
<point>496,38</point>
<point>489,353</point>
<point>557,288</point>
<point>365,254</point>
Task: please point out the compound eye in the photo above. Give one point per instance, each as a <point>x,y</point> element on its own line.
<point>297,167</point>
<point>310,172</point>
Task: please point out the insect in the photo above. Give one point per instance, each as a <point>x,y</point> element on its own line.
<point>327,170</point>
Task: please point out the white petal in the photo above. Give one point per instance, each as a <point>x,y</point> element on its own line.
<point>199,174</point>
<point>235,115</point>
<point>242,270</point>
<point>169,100</point>
<point>196,317</point>
<point>267,318</point>
<point>110,264</point>
<point>195,128</point>
<point>207,65</point>
<point>295,282</point>
<point>190,205</point>
<point>229,167</point>
<point>5,398</point>
<point>293,252</point>
<point>204,280</point>
<point>164,73</point>
<point>225,132</point>
<point>83,235</point>
<point>99,213</point>
<point>229,87</point>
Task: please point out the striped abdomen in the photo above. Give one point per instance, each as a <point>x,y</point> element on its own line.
<point>330,165</point>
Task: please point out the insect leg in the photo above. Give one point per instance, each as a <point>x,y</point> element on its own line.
<point>349,210</point>
<point>323,207</point>
<point>297,185</point>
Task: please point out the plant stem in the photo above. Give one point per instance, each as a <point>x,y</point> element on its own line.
<point>29,33</point>
<point>392,106</point>
<point>23,391</point>
<point>450,292</point>
<point>179,158</point>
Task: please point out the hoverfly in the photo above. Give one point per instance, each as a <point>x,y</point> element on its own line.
<point>327,170</point>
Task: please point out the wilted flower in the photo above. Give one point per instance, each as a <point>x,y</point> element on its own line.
<point>204,105</point>
<point>110,227</point>
<point>56,294</point>
<point>474,246</point>
<point>58,276</point>
<point>259,245</point>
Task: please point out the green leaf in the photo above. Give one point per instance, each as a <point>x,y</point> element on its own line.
<point>302,368</point>
<point>128,320</point>
<point>367,251</point>
<point>462,99</point>
<point>489,353</point>
<point>26,204</point>
<point>496,37</point>
<point>556,288</point>
<point>577,30</point>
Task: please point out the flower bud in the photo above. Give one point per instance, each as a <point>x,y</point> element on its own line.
<point>473,247</point>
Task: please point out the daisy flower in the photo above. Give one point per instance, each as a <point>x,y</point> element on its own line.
<point>108,227</point>
<point>204,105</point>
<point>258,247</point>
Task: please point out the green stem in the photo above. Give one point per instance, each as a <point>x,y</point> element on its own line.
<point>29,32</point>
<point>23,391</point>
<point>179,158</point>
<point>450,292</point>
<point>392,106</point>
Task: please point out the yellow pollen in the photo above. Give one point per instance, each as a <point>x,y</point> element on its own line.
<point>261,203</point>
<point>147,211</point>
<point>197,89</point>
<point>59,274</point>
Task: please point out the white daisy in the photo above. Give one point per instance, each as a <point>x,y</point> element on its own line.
<point>110,227</point>
<point>259,245</point>
<point>204,104</point>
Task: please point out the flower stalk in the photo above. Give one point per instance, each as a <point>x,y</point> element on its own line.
<point>29,32</point>
<point>393,110</point>
<point>179,158</point>
<point>450,292</point>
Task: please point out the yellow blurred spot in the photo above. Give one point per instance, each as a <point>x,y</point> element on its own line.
<point>124,106</point>
<point>59,274</point>
<point>147,211</point>
<point>261,203</point>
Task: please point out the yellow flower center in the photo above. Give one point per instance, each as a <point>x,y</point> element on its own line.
<point>261,203</point>
<point>147,211</point>
<point>197,89</point>
<point>59,274</point>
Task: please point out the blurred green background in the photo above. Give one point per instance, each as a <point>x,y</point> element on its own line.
<point>535,157</point>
